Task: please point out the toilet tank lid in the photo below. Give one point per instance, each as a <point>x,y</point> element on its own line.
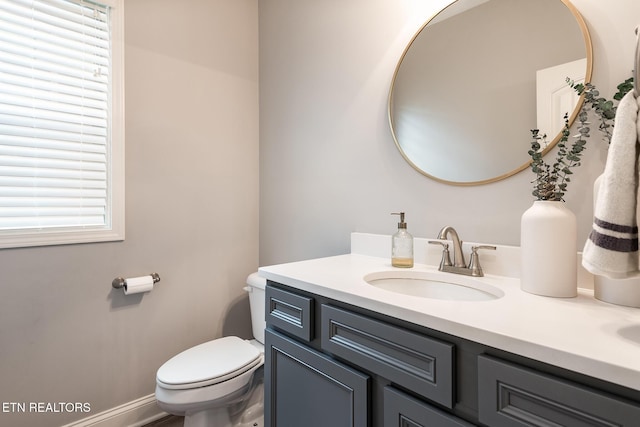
<point>208,363</point>
<point>256,281</point>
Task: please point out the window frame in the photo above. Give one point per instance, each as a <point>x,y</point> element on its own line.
<point>114,230</point>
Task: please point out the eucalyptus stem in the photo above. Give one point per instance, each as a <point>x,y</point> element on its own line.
<point>604,109</point>
<point>552,180</point>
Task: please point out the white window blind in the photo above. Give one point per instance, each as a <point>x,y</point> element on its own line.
<point>56,118</point>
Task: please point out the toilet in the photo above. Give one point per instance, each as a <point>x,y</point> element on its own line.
<point>219,383</point>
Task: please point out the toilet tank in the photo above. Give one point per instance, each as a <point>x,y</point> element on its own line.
<point>256,304</point>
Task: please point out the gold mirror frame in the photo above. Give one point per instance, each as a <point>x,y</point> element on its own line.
<point>588,72</point>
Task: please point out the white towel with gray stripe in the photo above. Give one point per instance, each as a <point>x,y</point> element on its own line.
<point>612,247</point>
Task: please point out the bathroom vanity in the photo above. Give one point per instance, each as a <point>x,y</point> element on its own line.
<point>341,352</point>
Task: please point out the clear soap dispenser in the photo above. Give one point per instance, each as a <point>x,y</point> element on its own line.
<point>402,245</point>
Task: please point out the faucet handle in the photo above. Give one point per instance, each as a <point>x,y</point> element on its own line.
<point>446,258</point>
<point>474,261</point>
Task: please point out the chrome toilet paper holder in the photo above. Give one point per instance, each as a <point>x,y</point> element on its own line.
<point>119,282</point>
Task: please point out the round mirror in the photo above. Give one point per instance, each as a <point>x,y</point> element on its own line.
<point>477,77</point>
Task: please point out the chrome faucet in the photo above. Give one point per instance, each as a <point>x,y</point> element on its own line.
<point>459,265</point>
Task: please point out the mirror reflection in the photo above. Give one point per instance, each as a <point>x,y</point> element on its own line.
<point>477,77</point>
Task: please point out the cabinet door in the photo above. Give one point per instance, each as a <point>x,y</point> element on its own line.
<point>402,410</point>
<point>306,388</point>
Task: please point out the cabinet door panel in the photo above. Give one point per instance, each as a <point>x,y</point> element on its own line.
<point>514,396</point>
<point>306,388</point>
<point>402,410</point>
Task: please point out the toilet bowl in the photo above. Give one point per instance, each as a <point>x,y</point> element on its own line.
<point>219,383</point>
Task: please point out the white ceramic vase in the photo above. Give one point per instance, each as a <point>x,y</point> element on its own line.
<point>548,250</point>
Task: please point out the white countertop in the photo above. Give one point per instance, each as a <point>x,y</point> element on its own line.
<point>580,334</point>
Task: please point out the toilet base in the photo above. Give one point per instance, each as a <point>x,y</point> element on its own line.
<point>246,414</point>
<point>211,417</point>
<point>251,412</point>
<point>244,408</point>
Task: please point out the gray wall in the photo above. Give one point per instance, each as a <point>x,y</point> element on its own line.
<point>328,163</point>
<point>191,216</point>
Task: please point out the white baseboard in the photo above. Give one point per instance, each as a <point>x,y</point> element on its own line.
<point>132,414</point>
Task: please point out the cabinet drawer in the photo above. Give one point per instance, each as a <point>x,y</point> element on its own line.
<point>512,395</point>
<point>290,313</point>
<point>402,410</point>
<point>419,363</point>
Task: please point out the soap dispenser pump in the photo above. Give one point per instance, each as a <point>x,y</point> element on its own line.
<point>402,245</point>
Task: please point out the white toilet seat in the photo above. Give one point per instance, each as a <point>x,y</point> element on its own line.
<point>209,363</point>
<point>180,401</point>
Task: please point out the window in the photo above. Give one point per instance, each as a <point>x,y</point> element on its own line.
<point>61,122</point>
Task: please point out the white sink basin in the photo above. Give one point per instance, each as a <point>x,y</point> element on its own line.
<point>434,285</point>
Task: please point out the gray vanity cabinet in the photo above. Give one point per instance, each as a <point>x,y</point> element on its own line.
<point>330,364</point>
